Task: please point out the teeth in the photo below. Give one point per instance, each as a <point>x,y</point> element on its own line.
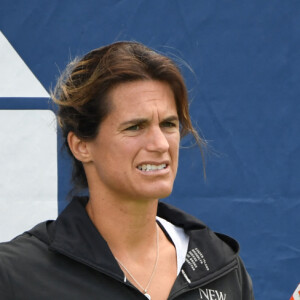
<point>149,167</point>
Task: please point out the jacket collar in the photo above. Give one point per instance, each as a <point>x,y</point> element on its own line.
<point>74,235</point>
<point>209,254</point>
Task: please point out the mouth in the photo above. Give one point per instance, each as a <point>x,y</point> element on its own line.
<point>152,167</point>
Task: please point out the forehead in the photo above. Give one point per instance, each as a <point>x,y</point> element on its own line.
<point>132,97</point>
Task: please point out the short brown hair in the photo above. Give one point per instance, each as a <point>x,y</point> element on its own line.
<point>81,92</point>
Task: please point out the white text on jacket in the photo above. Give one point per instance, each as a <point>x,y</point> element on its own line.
<point>211,295</point>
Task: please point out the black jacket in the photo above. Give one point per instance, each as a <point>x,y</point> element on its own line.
<point>68,259</point>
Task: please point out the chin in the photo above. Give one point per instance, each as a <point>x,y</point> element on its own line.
<point>158,192</point>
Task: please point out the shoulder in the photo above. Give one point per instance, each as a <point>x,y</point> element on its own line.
<point>25,245</point>
<point>19,257</point>
<point>20,246</point>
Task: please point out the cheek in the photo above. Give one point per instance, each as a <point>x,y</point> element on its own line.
<point>124,151</point>
<point>174,147</point>
<point>174,142</point>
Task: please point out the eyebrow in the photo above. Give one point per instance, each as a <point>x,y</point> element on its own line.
<point>144,120</point>
<point>134,121</point>
<point>171,118</point>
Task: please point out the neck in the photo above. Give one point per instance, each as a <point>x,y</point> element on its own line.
<point>146,256</point>
<point>128,226</point>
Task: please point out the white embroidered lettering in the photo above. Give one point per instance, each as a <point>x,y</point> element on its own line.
<point>202,293</point>
<point>195,259</point>
<point>212,295</point>
<point>221,296</point>
<point>209,294</point>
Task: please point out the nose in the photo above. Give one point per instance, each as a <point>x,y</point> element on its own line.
<point>156,140</point>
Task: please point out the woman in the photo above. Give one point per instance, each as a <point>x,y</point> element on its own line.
<point>123,109</point>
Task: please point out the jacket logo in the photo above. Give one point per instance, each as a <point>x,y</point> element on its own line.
<point>209,294</point>
<point>195,259</point>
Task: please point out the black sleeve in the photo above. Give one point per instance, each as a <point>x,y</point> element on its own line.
<point>5,282</point>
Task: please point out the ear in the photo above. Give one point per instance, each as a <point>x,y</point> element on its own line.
<point>78,147</point>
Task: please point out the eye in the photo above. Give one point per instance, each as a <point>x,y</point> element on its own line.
<point>134,127</point>
<point>169,124</point>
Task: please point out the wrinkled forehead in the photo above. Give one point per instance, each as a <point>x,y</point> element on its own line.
<point>140,95</point>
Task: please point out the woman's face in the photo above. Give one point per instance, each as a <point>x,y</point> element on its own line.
<point>135,154</point>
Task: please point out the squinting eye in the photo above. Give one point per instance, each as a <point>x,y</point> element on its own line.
<point>133,128</point>
<point>169,124</point>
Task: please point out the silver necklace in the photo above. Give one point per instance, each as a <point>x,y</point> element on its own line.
<point>145,290</point>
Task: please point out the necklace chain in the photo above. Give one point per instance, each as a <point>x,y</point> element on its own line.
<point>153,271</point>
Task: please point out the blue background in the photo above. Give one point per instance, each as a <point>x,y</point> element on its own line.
<point>245,57</point>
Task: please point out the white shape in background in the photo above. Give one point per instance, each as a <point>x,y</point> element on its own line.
<point>28,173</point>
<point>16,79</point>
